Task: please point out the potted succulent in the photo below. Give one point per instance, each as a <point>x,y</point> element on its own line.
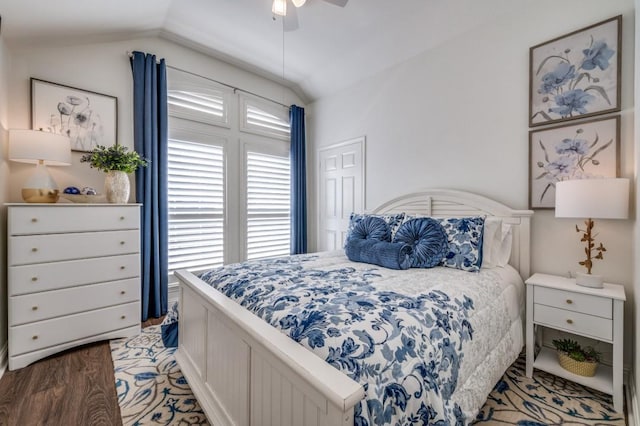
<point>116,161</point>
<point>576,359</point>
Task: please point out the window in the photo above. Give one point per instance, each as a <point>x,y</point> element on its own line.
<point>229,175</point>
<point>268,205</point>
<point>196,202</point>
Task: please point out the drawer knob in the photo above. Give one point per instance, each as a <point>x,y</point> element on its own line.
<point>34,279</point>
<point>34,220</point>
<point>35,308</point>
<point>121,243</point>
<point>569,321</point>
<point>35,338</point>
<point>35,249</point>
<point>123,292</point>
<point>121,217</point>
<point>122,267</point>
<point>569,301</point>
<point>123,317</point>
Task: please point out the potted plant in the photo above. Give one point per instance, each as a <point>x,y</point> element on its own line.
<point>576,359</point>
<point>116,161</point>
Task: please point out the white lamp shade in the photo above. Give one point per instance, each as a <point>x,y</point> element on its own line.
<point>298,3</point>
<point>279,7</point>
<point>606,198</point>
<point>33,146</point>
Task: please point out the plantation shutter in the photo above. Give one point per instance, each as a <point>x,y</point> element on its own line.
<point>268,205</point>
<point>196,205</point>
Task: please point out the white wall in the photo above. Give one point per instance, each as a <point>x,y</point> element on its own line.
<point>636,234</point>
<point>105,68</point>
<point>456,117</point>
<point>4,179</point>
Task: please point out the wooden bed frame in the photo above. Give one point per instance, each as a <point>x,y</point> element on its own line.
<point>243,371</point>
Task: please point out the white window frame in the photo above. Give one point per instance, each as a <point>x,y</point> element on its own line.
<point>279,111</point>
<point>205,134</point>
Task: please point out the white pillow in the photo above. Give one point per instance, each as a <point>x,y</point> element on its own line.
<point>502,252</point>
<point>492,237</point>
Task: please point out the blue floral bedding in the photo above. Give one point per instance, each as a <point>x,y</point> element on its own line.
<point>415,344</point>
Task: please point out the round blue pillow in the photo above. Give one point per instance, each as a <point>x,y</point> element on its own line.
<point>371,228</point>
<point>427,238</point>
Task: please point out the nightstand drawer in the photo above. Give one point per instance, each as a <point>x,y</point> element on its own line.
<point>574,322</point>
<point>576,302</point>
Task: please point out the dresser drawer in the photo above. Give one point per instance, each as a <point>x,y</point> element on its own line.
<point>52,276</point>
<point>26,220</point>
<point>577,302</point>
<point>51,248</point>
<point>50,304</point>
<point>38,335</point>
<point>574,322</point>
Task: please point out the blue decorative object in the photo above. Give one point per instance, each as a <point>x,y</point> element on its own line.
<point>169,327</point>
<point>371,227</point>
<point>71,190</point>
<point>298,181</point>
<point>381,253</point>
<point>150,139</point>
<point>393,220</point>
<point>465,242</point>
<point>428,240</point>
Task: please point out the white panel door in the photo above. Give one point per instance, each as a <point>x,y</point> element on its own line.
<point>341,179</point>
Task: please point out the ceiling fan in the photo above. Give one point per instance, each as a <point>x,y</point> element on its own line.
<point>291,19</point>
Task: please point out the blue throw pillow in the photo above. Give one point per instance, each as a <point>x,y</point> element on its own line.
<point>393,220</point>
<point>428,240</point>
<point>169,327</point>
<point>370,228</point>
<point>465,242</point>
<point>381,253</point>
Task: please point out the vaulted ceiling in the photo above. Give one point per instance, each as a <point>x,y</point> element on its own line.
<point>333,48</point>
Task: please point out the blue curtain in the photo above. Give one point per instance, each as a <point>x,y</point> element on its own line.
<point>150,140</point>
<point>298,181</point>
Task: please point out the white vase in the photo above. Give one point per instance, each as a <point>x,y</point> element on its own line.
<point>116,187</point>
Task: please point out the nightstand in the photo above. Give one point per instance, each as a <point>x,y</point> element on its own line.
<point>558,303</point>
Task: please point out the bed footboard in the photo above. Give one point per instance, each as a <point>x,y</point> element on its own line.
<point>245,372</point>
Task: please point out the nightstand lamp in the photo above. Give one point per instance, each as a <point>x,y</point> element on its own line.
<point>42,149</point>
<point>606,198</point>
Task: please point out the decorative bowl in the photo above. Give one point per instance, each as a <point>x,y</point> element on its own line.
<point>84,198</point>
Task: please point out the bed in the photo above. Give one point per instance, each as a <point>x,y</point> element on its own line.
<point>244,371</point>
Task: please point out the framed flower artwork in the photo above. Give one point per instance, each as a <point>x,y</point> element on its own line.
<point>88,118</point>
<point>589,149</point>
<point>576,75</point>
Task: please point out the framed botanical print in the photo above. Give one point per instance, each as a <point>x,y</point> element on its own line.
<point>87,118</point>
<point>576,75</point>
<point>583,150</point>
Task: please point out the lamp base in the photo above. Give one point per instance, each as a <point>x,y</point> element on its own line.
<point>589,280</point>
<point>40,195</point>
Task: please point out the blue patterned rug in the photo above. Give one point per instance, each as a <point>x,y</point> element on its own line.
<point>152,390</point>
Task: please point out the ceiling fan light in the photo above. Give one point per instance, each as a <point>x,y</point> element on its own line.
<point>279,7</point>
<point>298,3</point>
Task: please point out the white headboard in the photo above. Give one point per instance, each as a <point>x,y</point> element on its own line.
<point>452,203</point>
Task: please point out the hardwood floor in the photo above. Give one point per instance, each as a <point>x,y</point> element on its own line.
<point>75,387</point>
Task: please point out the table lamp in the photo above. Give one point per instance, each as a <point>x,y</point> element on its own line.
<point>606,198</point>
<point>42,149</point>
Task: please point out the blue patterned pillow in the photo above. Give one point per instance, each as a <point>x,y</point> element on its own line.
<point>428,240</point>
<point>465,242</point>
<point>393,220</point>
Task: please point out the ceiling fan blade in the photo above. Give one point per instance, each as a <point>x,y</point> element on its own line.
<point>291,20</point>
<point>341,3</point>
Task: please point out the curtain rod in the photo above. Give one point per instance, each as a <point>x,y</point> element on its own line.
<point>235,89</point>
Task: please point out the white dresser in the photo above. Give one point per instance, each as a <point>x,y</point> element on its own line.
<point>74,276</point>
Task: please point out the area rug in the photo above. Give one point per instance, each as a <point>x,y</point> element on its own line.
<point>152,390</point>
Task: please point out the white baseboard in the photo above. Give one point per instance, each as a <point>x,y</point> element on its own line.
<point>633,413</point>
<point>3,359</point>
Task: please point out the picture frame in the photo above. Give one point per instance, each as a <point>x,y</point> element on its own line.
<point>584,150</point>
<point>88,118</point>
<point>576,75</point>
